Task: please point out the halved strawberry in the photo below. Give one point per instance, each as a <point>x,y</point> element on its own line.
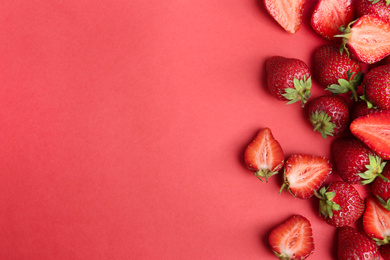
<point>293,239</point>
<point>287,13</point>
<point>264,154</point>
<point>304,174</point>
<point>374,131</point>
<point>376,221</point>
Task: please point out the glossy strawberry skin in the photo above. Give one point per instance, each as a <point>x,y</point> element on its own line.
<point>354,245</point>
<point>360,108</point>
<point>377,87</point>
<point>385,251</point>
<point>379,8</point>
<point>376,221</point>
<point>381,188</point>
<point>293,239</point>
<point>350,157</point>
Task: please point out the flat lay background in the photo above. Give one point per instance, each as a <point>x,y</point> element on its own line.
<point>123,126</point>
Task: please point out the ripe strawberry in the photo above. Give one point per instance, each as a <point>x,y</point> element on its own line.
<point>303,174</point>
<point>354,245</point>
<point>367,39</point>
<point>379,8</point>
<point>288,79</point>
<point>374,131</point>
<point>360,108</point>
<point>329,115</point>
<point>377,87</point>
<point>264,154</point>
<point>376,221</point>
<point>336,71</point>
<point>287,13</point>
<point>381,187</point>
<point>329,15</point>
<point>355,162</point>
<point>293,239</point>
<point>385,251</point>
<point>340,204</point>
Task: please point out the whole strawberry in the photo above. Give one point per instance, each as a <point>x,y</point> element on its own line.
<point>377,87</point>
<point>340,204</point>
<point>355,162</point>
<point>288,79</point>
<point>336,71</point>
<point>376,221</point>
<point>385,251</point>
<point>381,187</point>
<point>379,8</point>
<point>353,245</point>
<point>329,115</point>
<point>361,108</point>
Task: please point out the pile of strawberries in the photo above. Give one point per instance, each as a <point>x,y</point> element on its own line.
<point>355,109</point>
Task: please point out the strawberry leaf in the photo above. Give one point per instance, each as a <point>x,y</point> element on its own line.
<point>301,91</point>
<point>374,169</point>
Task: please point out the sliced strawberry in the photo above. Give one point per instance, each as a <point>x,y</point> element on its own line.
<point>329,15</point>
<point>287,13</point>
<point>264,154</point>
<point>304,174</point>
<point>293,239</point>
<point>374,131</point>
<point>376,221</point>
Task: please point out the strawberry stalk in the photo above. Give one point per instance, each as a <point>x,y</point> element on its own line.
<point>345,86</point>
<point>374,169</point>
<point>345,35</point>
<point>301,91</point>
<point>327,206</point>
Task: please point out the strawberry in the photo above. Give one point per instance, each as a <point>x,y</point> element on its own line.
<point>355,162</point>
<point>329,15</point>
<point>376,221</point>
<point>381,187</point>
<point>287,13</point>
<point>264,154</point>
<point>374,131</point>
<point>288,79</point>
<point>361,108</point>
<point>385,251</point>
<point>351,244</point>
<point>377,87</point>
<point>379,8</point>
<point>329,115</point>
<point>367,39</point>
<point>336,71</point>
<point>293,239</point>
<point>340,204</point>
<point>303,174</point>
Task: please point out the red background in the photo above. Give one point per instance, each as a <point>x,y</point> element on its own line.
<point>123,126</point>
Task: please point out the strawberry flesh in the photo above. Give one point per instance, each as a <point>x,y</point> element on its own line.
<point>287,13</point>
<point>376,221</point>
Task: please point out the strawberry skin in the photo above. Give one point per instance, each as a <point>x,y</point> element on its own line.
<point>304,174</point>
<point>374,131</point>
<point>367,39</point>
<point>377,87</point>
<point>381,187</point>
<point>336,71</point>
<point>264,154</point>
<point>293,239</point>
<point>353,245</point>
<point>329,15</point>
<point>287,13</point>
<point>355,162</point>
<point>329,115</point>
<point>376,221</point>
<point>288,79</point>
<point>385,251</point>
<point>340,204</point>
<point>379,8</point>
<point>361,108</point>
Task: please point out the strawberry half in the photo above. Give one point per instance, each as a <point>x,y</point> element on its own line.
<point>367,39</point>
<point>374,131</point>
<point>376,221</point>
<point>329,15</point>
<point>293,239</point>
<point>287,13</point>
<point>303,174</point>
<point>264,154</point>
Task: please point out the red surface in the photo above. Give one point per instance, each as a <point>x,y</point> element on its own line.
<point>123,126</point>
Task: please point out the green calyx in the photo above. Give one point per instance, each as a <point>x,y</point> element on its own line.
<point>301,91</point>
<point>376,1</point>
<point>345,35</point>
<point>327,205</point>
<point>381,242</point>
<point>264,173</point>
<point>345,85</point>
<point>363,97</point>
<point>281,256</point>
<point>385,204</point>
<point>322,124</point>
<point>374,169</point>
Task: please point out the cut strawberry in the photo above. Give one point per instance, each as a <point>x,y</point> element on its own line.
<point>304,174</point>
<point>293,239</point>
<point>264,154</point>
<point>376,221</point>
<point>374,131</point>
<point>287,13</point>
